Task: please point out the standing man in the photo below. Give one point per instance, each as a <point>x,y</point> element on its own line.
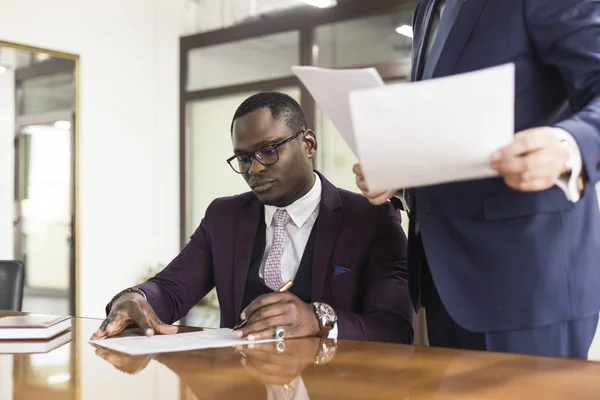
<point>512,263</point>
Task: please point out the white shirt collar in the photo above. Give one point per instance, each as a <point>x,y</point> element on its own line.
<point>301,209</point>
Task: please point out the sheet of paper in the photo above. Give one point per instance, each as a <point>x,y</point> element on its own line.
<point>436,131</point>
<point>211,338</point>
<point>330,89</point>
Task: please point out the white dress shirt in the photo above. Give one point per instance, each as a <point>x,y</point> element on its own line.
<point>303,213</point>
<point>568,182</point>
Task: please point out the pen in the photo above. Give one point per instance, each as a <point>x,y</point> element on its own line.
<point>286,286</point>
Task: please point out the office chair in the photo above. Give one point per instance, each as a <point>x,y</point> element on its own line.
<point>12,280</point>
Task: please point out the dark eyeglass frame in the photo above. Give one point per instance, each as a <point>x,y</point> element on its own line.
<point>253,156</point>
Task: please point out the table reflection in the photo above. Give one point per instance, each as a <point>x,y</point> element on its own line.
<point>270,370</point>
<point>293,370</point>
<point>50,375</point>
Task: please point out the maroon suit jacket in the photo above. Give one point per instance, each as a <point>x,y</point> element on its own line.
<point>371,299</point>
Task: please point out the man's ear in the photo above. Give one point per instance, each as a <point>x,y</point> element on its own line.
<point>310,142</point>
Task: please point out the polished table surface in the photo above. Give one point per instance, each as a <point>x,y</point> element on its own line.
<point>345,370</point>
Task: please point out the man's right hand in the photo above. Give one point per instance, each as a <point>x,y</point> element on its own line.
<point>376,198</point>
<point>132,308</point>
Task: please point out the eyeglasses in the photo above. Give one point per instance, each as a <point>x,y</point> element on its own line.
<point>266,155</point>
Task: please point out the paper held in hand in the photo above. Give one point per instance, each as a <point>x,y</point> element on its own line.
<point>422,133</point>
<point>330,89</point>
<point>211,338</point>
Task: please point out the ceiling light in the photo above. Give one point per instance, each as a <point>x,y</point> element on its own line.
<point>405,30</point>
<point>320,3</point>
<point>62,124</point>
<point>2,69</point>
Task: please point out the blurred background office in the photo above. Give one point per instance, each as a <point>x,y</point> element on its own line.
<point>114,124</point>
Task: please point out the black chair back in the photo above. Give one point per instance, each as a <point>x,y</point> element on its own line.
<point>12,280</point>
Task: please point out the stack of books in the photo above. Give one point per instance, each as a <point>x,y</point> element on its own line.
<point>33,333</point>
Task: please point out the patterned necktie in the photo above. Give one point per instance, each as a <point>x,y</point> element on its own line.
<point>449,15</point>
<point>272,274</point>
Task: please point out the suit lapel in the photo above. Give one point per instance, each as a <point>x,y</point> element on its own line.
<point>244,243</point>
<point>327,228</point>
<point>459,36</point>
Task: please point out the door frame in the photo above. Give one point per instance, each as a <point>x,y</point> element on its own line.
<point>74,295</point>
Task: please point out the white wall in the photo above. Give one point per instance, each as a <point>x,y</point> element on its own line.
<point>129,131</point>
<point>129,135</point>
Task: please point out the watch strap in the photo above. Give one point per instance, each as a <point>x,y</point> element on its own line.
<point>324,331</point>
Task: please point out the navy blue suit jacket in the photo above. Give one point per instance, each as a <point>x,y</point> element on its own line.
<point>502,259</point>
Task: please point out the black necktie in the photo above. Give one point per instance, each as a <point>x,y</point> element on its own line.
<point>446,22</point>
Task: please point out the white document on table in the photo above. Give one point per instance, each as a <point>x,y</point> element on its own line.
<point>208,339</point>
<point>330,89</point>
<point>435,131</point>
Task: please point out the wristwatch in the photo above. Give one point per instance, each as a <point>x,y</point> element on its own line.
<point>327,349</point>
<point>326,317</point>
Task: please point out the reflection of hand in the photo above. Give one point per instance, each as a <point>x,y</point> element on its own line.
<point>124,362</point>
<point>375,197</point>
<point>132,308</point>
<point>297,318</point>
<point>278,363</point>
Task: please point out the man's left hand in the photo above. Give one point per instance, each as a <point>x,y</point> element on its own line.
<point>286,310</point>
<point>533,162</point>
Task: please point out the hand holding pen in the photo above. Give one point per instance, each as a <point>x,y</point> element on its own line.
<point>277,315</point>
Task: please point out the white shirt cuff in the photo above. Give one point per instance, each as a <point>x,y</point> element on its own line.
<point>568,183</point>
<point>333,334</point>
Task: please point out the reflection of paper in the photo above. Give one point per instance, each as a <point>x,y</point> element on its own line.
<point>435,131</point>
<point>211,338</point>
<point>330,89</point>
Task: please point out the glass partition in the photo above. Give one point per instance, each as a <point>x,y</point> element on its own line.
<point>251,60</point>
<point>363,42</point>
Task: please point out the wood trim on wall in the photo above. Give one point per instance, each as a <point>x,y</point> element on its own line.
<point>266,85</point>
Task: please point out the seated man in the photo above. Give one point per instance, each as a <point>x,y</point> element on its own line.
<point>346,257</point>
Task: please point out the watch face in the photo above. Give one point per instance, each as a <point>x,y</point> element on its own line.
<point>327,313</point>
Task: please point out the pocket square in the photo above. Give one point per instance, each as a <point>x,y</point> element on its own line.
<point>339,270</point>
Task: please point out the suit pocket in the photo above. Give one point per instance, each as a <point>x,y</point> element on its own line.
<point>517,204</point>
<point>339,270</point>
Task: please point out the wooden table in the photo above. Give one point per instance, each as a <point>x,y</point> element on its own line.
<point>346,370</point>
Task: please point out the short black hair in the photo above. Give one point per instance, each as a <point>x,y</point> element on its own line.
<point>283,108</point>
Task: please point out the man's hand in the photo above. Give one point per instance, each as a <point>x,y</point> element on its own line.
<point>296,317</point>
<point>533,162</point>
<point>132,308</point>
<point>376,198</point>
